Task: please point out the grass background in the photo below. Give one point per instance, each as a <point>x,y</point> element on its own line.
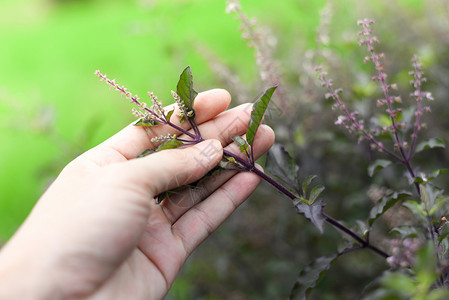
<point>52,107</point>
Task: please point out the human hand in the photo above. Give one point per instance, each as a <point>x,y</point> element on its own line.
<point>97,232</point>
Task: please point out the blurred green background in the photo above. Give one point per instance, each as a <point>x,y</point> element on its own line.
<point>52,108</point>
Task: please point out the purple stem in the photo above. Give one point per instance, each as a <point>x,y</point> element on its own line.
<point>251,167</point>
<point>248,166</point>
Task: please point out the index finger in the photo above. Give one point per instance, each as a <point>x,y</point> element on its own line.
<point>133,140</point>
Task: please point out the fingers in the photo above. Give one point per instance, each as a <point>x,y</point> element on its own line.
<point>227,124</point>
<point>177,204</point>
<point>202,219</point>
<point>133,140</point>
<point>169,169</point>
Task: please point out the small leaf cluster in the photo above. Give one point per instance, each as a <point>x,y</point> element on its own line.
<point>184,98</point>
<point>283,167</point>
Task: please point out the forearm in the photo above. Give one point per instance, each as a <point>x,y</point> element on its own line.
<point>23,275</point>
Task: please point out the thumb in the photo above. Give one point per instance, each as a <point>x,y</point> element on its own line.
<point>172,168</point>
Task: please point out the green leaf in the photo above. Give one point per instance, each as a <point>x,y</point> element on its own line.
<point>425,179</point>
<point>185,91</point>
<point>362,228</point>
<point>416,208</point>
<point>430,144</point>
<point>385,204</point>
<point>313,212</point>
<point>146,152</point>
<point>243,145</point>
<point>228,162</point>
<point>432,199</point>
<point>306,183</point>
<point>438,172</point>
<point>168,115</point>
<point>442,237</point>
<point>406,231</point>
<point>377,165</point>
<point>400,283</point>
<point>171,144</point>
<point>281,165</point>
<point>146,122</point>
<point>316,191</point>
<point>310,276</point>
<point>425,197</point>
<point>425,261</point>
<point>257,113</point>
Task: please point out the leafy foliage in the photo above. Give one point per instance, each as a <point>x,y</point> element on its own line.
<point>169,114</point>
<point>430,144</point>
<point>257,114</point>
<point>419,283</point>
<point>171,144</point>
<point>147,122</point>
<point>385,204</point>
<point>377,165</point>
<point>146,152</point>
<point>243,145</point>
<point>185,90</point>
<point>394,125</point>
<point>312,211</point>
<point>426,178</point>
<point>310,276</point>
<point>283,167</point>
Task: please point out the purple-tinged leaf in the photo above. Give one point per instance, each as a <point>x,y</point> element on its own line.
<point>385,204</point>
<point>430,144</point>
<point>281,165</point>
<point>185,91</point>
<point>310,276</point>
<point>257,113</point>
<point>377,165</point>
<point>146,122</point>
<point>313,212</point>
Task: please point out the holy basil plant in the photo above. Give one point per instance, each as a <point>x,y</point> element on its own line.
<point>283,173</point>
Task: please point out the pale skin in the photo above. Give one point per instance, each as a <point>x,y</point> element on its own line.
<point>97,232</point>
